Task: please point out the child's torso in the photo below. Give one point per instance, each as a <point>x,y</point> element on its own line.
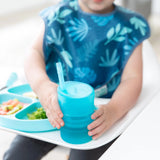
<point>92,48</point>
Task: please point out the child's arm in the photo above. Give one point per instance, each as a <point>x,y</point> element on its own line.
<point>123,99</point>
<point>37,77</point>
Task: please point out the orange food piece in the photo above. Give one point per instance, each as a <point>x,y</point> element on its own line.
<point>9,105</point>
<point>14,103</point>
<point>8,102</point>
<point>2,112</point>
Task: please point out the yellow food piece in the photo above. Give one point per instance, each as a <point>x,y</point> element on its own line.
<point>30,94</point>
<point>15,109</point>
<point>7,108</point>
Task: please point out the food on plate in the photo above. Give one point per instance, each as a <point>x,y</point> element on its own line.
<point>11,107</point>
<point>30,94</point>
<point>38,114</point>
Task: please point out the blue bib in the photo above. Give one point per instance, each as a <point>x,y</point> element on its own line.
<point>93,48</point>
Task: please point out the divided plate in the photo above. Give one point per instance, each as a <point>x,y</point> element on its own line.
<point>20,90</point>
<point>18,120</point>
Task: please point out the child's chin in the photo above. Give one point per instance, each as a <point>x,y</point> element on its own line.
<point>98,9</point>
<point>97,1</point>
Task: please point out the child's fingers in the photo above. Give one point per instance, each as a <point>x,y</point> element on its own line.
<point>51,119</point>
<point>58,121</point>
<point>97,113</point>
<point>96,123</point>
<point>54,118</point>
<point>98,134</point>
<point>55,123</point>
<point>97,130</point>
<point>58,110</point>
<point>57,115</point>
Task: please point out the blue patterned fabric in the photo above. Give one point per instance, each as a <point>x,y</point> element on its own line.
<point>93,48</point>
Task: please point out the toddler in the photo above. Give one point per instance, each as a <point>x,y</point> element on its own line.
<point>98,43</point>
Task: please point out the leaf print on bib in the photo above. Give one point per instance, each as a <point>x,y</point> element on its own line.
<point>78,29</point>
<point>110,59</point>
<point>85,75</point>
<point>67,58</point>
<point>139,24</point>
<point>128,47</point>
<point>74,4</point>
<point>102,21</point>
<point>59,16</point>
<point>117,33</point>
<point>53,38</point>
<point>87,51</point>
<point>113,84</point>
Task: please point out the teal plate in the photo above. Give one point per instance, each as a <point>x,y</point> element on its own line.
<point>19,121</point>
<point>20,89</point>
<point>6,96</point>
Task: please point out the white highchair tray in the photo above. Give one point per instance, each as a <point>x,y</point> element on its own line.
<point>150,89</point>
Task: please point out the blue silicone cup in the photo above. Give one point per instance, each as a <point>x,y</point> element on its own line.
<point>77,122</point>
<point>75,129</point>
<point>75,136</point>
<point>75,106</point>
<point>77,111</point>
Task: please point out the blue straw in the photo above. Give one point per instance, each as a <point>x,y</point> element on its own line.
<point>60,75</point>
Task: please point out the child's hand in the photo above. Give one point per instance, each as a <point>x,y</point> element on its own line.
<point>104,118</point>
<point>49,101</point>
